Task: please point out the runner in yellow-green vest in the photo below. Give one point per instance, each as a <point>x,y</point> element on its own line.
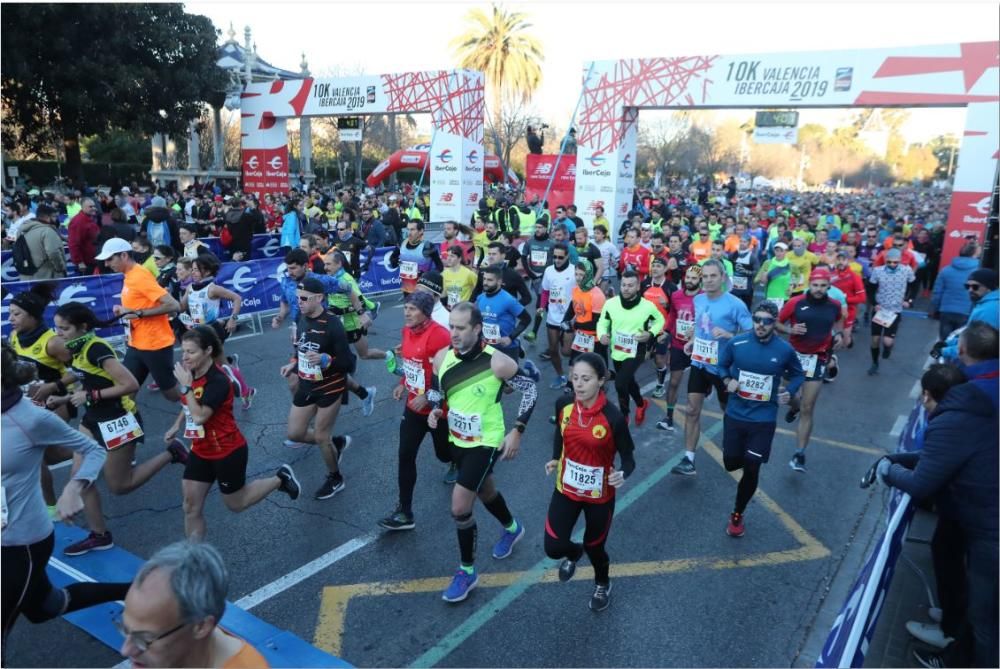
<point>628,325</point>
<point>468,383</point>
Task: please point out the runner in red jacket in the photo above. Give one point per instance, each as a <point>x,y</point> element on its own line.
<point>853,287</point>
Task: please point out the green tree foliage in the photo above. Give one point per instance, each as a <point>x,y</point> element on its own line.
<point>116,146</point>
<point>82,69</point>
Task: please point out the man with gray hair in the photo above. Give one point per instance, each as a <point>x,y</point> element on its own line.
<point>173,609</point>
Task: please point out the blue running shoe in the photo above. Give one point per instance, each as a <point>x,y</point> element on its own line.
<point>461,585</point>
<point>505,546</point>
<point>558,383</point>
<point>532,369</point>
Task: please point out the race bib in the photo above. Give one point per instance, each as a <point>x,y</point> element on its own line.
<point>539,258</point>
<point>808,362</point>
<point>583,342</point>
<point>685,329</point>
<point>705,351</point>
<point>309,371</point>
<point>582,480</point>
<point>625,343</point>
<point>556,295</point>
<point>408,269</point>
<point>756,387</point>
<point>191,429</point>
<point>454,295</point>
<point>739,283</point>
<point>884,318</point>
<point>120,431</point>
<point>491,333</point>
<point>197,310</point>
<point>413,375</point>
<point>465,427</point>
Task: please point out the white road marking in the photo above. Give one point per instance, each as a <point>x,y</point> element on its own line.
<point>72,572</point>
<point>915,390</point>
<point>898,426</point>
<point>307,570</point>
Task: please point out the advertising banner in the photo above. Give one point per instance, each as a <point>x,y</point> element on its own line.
<point>265,170</point>
<point>561,170</point>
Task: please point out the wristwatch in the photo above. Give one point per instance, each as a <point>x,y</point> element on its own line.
<point>184,390</point>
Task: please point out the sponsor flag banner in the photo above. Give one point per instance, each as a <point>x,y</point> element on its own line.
<point>539,169</point>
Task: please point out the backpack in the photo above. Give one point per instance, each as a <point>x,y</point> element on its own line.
<point>23,262</point>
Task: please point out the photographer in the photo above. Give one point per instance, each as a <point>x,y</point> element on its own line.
<point>535,140</point>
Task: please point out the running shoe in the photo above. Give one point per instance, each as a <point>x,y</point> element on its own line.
<point>791,415</point>
<point>601,599</point>
<point>289,484</point>
<point>233,360</point>
<point>735,527</point>
<point>342,444</point>
<point>461,585</point>
<point>93,542</point>
<point>833,369</point>
<point>291,443</point>
<point>530,336</point>
<point>333,484</point>
<point>685,467</point>
<point>545,355</point>
<point>398,520</point>
<point>368,403</point>
<point>660,391</point>
<point>929,633</point>
<point>929,659</point>
<point>450,476</point>
<point>560,382</point>
<point>566,570</point>
<point>248,400</point>
<point>640,413</point>
<point>505,545</point>
<point>667,424</point>
<point>532,369</point>
<point>373,312</point>
<point>178,452</point>
<point>798,462</point>
<point>873,370</point>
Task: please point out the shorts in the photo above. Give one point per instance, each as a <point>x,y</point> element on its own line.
<point>702,382</point>
<point>679,360</point>
<point>662,348</point>
<point>158,363</point>
<point>878,330</point>
<point>308,394</point>
<point>556,328</point>
<point>746,440</point>
<point>355,335</point>
<point>474,464</point>
<point>230,471</point>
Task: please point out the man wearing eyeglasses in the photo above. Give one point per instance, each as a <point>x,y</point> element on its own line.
<point>173,609</point>
<point>982,288</point>
<point>893,283</point>
<point>753,365</point>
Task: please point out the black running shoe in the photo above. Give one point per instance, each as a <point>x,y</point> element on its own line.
<point>601,598</point>
<point>333,484</point>
<point>289,484</point>
<point>398,520</point>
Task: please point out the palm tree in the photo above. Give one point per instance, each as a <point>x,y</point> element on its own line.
<point>498,45</point>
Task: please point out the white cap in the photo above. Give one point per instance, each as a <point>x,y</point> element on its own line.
<point>126,189</point>
<point>781,245</point>
<point>113,246</point>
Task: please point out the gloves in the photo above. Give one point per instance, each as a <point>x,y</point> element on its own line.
<point>882,470</point>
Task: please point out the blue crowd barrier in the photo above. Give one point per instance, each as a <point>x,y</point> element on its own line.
<point>257,281</point>
<point>852,631</point>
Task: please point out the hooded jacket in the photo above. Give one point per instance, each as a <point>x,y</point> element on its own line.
<point>950,295</point>
<point>959,461</point>
<point>46,247</point>
<point>987,310</point>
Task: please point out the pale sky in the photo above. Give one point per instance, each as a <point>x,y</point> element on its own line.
<point>382,37</point>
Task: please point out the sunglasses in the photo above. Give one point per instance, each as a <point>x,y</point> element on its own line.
<point>892,263</point>
<point>305,298</point>
<point>973,286</point>
<point>559,257</point>
<point>764,320</point>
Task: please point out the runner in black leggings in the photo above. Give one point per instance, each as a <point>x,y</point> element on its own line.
<point>28,535</point>
<point>589,432</point>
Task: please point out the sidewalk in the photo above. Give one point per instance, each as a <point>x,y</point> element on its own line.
<point>892,645</point>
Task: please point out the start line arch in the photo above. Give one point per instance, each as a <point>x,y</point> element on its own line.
<point>951,75</point>
<point>454,98</point>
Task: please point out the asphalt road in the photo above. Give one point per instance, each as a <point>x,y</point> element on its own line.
<point>685,594</point>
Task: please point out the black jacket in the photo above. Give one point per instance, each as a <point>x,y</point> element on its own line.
<point>959,462</point>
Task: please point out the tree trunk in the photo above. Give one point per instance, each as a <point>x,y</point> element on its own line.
<point>71,148</point>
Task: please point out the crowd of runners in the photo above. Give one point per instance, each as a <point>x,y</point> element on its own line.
<point>751,298</point>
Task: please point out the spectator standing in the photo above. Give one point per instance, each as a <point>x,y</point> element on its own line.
<point>83,233</point>
<point>45,245</point>
<point>950,301</point>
